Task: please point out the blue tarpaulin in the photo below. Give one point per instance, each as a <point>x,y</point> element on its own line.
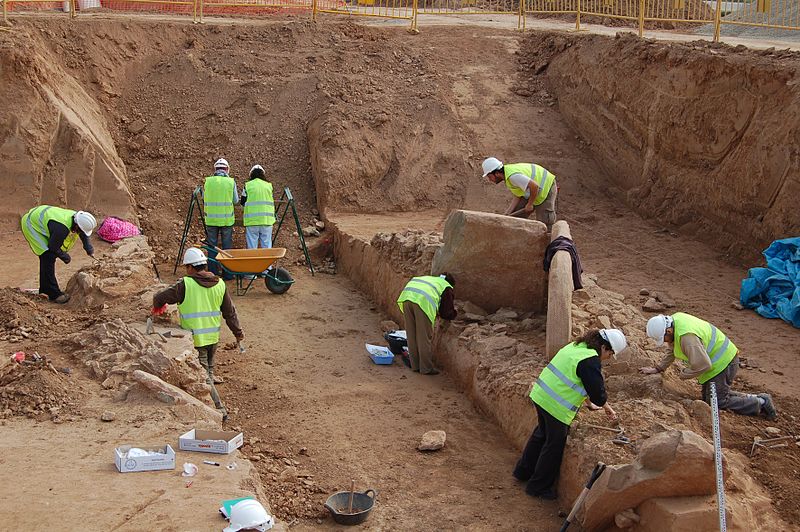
<point>774,291</point>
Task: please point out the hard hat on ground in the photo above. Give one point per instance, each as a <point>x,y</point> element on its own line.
<point>491,164</point>
<point>194,257</point>
<point>86,222</point>
<point>657,327</point>
<point>616,338</point>
<point>248,514</point>
<point>221,163</point>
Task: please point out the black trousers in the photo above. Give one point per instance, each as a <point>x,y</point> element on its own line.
<point>48,284</point>
<point>540,462</point>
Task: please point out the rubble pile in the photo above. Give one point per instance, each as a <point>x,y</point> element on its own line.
<point>114,351</point>
<point>411,252</point>
<point>37,390</point>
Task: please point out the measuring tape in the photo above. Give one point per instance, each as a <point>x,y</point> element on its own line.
<point>718,458</point>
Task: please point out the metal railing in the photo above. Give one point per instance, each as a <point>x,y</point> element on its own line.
<point>641,14</point>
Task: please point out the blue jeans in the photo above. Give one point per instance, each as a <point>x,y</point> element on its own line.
<point>258,234</point>
<point>214,234</point>
<point>255,234</point>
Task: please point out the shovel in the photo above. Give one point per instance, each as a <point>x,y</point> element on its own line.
<point>596,472</point>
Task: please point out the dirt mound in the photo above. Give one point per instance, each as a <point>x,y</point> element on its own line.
<point>54,140</point>
<point>37,390</point>
<point>675,147</point>
<point>411,252</point>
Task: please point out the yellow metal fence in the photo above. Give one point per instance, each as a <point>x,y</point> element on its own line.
<point>667,14</point>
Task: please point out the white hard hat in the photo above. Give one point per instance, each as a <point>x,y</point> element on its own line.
<point>86,222</point>
<point>256,166</point>
<point>490,165</point>
<point>248,514</point>
<point>194,257</point>
<point>657,327</point>
<point>616,338</point>
<point>221,163</point>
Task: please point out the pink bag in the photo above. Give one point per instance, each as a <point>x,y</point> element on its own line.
<point>113,229</point>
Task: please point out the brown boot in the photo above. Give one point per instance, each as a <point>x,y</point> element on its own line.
<point>63,298</point>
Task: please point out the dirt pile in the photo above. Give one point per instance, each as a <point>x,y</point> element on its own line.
<point>37,390</point>
<point>126,272</point>
<point>55,145</point>
<point>411,252</point>
<point>675,147</point>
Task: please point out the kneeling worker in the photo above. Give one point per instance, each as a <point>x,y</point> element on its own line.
<point>712,357</point>
<point>51,232</point>
<point>202,301</point>
<point>534,188</point>
<point>420,301</point>
<point>570,379</point>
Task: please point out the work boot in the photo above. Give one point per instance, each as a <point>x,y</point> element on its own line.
<point>434,371</point>
<point>63,298</point>
<point>224,412</point>
<point>218,380</point>
<point>768,408</point>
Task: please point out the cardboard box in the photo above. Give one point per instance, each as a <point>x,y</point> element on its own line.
<point>211,441</point>
<point>156,462</point>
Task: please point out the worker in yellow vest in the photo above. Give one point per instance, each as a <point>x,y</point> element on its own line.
<point>259,209</point>
<point>533,187</point>
<point>572,378</point>
<point>219,197</point>
<point>422,299</point>
<point>711,357</point>
<point>203,301</point>
<point>51,232</point>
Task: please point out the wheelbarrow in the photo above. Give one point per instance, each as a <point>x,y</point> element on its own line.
<point>247,265</point>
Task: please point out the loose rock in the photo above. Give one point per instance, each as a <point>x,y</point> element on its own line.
<point>651,305</point>
<point>433,440</point>
<point>108,416</point>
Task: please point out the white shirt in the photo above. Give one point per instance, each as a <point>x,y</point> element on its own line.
<point>521,181</point>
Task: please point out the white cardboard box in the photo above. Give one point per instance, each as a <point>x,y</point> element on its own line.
<point>155,462</point>
<point>211,441</point>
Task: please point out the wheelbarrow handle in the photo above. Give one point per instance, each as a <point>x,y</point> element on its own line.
<point>218,250</point>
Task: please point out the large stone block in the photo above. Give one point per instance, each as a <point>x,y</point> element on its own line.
<point>496,260</point>
<point>670,464</point>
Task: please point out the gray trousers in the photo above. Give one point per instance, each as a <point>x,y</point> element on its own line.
<point>741,403</point>
<point>419,332</point>
<point>545,211</point>
<point>206,356</point>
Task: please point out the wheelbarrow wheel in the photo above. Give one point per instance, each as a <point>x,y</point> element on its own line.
<point>278,281</point>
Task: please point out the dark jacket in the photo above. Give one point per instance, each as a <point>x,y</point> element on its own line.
<point>177,292</point>
<point>58,233</point>
<point>591,377</point>
<point>447,308</point>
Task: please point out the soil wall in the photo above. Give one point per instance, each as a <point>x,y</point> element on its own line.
<point>706,139</point>
<point>55,146</point>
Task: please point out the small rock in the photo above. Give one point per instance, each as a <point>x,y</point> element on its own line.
<point>389,325</point>
<point>581,296</point>
<point>753,363</point>
<point>644,292</point>
<point>701,411</point>
<point>108,416</point>
<point>777,372</point>
<point>774,431</point>
<point>288,474</point>
<point>303,451</point>
<point>626,519</point>
<point>319,225</point>
<point>604,321</point>
<point>737,306</point>
<point>433,440</point>
<point>136,127</point>
<point>651,305</point>
<point>504,314</point>
<point>310,231</point>
<point>666,299</point>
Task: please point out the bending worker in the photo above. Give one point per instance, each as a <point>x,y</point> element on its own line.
<point>533,187</point>
<point>420,301</point>
<point>51,232</point>
<point>202,301</point>
<point>712,357</point>
<point>571,378</point>
<point>219,197</point>
<point>259,209</point>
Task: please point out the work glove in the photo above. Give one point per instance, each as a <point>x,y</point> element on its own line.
<point>65,257</point>
<point>158,311</point>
